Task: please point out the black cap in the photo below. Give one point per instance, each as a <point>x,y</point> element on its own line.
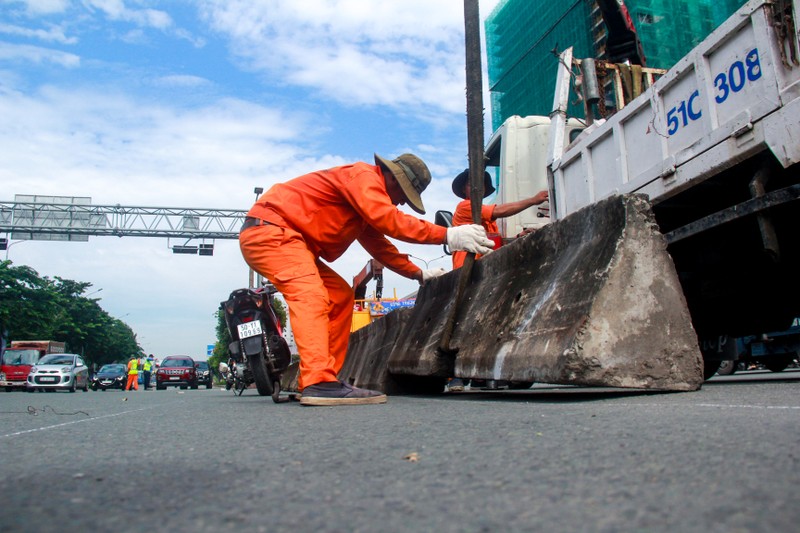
<point>461,180</point>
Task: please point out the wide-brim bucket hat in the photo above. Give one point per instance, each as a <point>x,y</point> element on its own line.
<point>461,180</point>
<point>413,176</point>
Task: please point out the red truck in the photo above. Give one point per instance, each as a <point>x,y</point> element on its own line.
<point>18,359</point>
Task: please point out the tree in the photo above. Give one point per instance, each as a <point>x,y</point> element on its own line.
<point>38,308</point>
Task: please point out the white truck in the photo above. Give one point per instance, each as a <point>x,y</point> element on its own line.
<point>715,144</point>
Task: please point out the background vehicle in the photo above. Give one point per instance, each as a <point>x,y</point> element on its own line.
<point>64,371</point>
<point>112,376</point>
<point>775,350</point>
<point>18,359</point>
<point>204,376</point>
<point>176,371</point>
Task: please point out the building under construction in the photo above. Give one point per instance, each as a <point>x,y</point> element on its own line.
<point>524,36</point>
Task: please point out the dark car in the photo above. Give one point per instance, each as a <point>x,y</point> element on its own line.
<point>113,376</point>
<point>176,371</point>
<point>204,376</point>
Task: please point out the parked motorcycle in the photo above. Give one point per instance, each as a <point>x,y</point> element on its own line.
<point>258,350</point>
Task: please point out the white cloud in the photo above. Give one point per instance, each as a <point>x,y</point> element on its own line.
<point>355,52</point>
<point>77,142</point>
<point>52,34</point>
<point>37,54</point>
<point>181,80</point>
<point>116,10</point>
<point>42,7</point>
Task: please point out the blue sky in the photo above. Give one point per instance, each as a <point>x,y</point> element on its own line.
<point>194,103</point>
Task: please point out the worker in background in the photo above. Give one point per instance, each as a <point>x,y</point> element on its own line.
<point>489,214</point>
<point>147,368</point>
<point>296,225</point>
<point>133,374</point>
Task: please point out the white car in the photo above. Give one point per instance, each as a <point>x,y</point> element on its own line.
<point>61,371</point>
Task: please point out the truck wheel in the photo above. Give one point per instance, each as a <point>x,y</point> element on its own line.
<point>710,367</point>
<point>727,367</point>
<point>778,364</point>
<point>418,384</point>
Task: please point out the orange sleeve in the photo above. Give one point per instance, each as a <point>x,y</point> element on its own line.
<point>366,192</point>
<point>384,251</point>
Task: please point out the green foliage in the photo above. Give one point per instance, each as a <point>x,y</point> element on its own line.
<point>39,308</point>
<point>220,352</point>
<point>280,310</point>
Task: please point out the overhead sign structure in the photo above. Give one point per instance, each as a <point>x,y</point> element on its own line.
<point>46,218</point>
<point>75,219</point>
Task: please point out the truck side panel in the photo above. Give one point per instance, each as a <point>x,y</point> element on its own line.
<point>714,96</point>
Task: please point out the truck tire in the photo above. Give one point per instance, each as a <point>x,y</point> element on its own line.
<point>727,367</point>
<point>710,367</point>
<point>778,364</point>
<point>425,385</point>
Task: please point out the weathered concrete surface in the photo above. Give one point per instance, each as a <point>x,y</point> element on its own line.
<point>591,300</point>
<point>367,359</point>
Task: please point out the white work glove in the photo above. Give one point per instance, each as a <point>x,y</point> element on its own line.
<point>470,238</point>
<point>432,273</point>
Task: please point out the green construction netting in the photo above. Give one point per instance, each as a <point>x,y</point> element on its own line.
<point>522,34</point>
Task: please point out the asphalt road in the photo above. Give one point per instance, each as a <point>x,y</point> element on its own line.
<point>547,459</point>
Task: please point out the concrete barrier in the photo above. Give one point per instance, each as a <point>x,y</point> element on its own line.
<point>593,299</point>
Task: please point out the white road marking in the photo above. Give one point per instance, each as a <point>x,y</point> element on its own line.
<point>17,433</point>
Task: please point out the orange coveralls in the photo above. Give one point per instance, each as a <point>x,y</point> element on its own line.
<point>318,216</point>
<point>133,375</point>
<point>462,216</point>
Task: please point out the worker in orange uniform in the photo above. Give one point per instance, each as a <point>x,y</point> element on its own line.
<point>489,213</point>
<point>133,374</point>
<point>297,224</point>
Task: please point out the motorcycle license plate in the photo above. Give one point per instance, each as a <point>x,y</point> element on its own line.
<point>249,329</point>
